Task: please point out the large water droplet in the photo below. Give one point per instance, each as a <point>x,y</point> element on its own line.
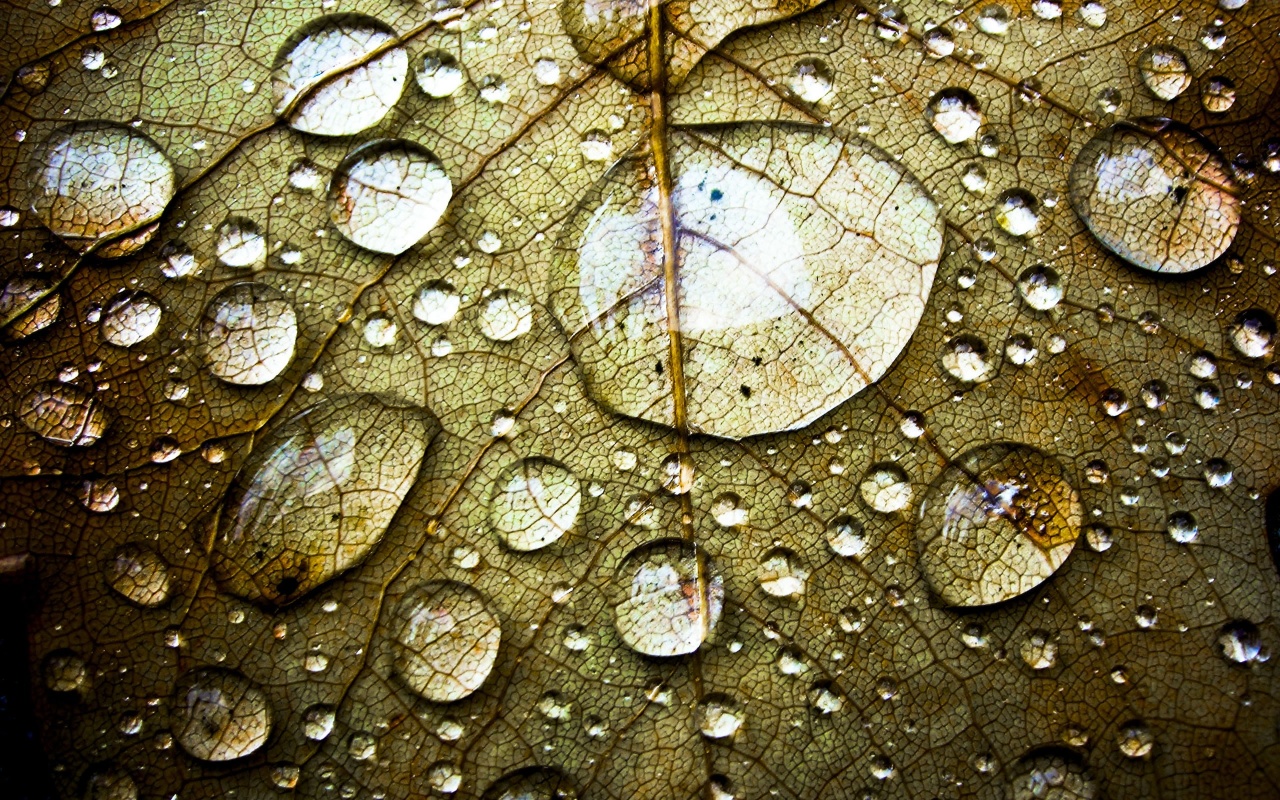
<point>1253,333</point>
<point>811,79</point>
<point>782,574</point>
<point>1053,774</point>
<point>506,315</point>
<point>326,82</point>
<point>1157,194</point>
<point>1040,287</point>
<point>219,715</point>
<point>1165,71</point>
<point>110,783</point>
<point>388,194</point>
<point>439,74</point>
<point>1017,212</point>
<point>93,181</point>
<point>667,598</point>
<point>447,641</point>
<point>130,318</point>
<point>64,671</point>
<point>318,721</point>
<point>436,303</point>
<point>885,488</point>
<point>139,575</point>
<point>535,502</point>
<point>1240,642</point>
<point>248,333</point>
<point>532,783</point>
<point>955,115</point>
<point>64,414</point>
<point>28,300</point>
<point>718,716</point>
<point>995,523</point>
<point>317,494</point>
<point>1136,739</point>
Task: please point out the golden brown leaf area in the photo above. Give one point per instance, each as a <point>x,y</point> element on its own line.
<point>181,287</point>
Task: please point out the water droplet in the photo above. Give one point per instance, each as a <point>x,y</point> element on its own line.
<point>782,574</point>
<point>130,318</point>
<point>1240,642</point>
<point>532,783</point>
<point>1052,773</point>
<point>846,537</point>
<point>1165,71</point>
<point>248,333</point>
<point>1039,650</point>
<point>1219,95</point>
<point>99,496</point>
<point>240,243</point>
<point>110,783</point>
<point>912,425</point>
<point>439,74</point>
<point>965,358</point>
<point>974,179</point>
<point>811,79</point>
<point>177,260</point>
<point>436,303</point>
<point>388,194</point>
<point>677,473</point>
<point>546,72</point>
<point>1157,194</point>
<point>1253,333</point>
<point>138,574</point>
<point>305,176</point>
<point>729,511</point>
<point>791,661</point>
<point>939,42</point>
<point>317,722</point>
<point>882,768</point>
<point>667,598</point>
<point>1020,350</point>
<point>885,488</point>
<point>535,502</point>
<point>1099,537</point>
<point>1146,617</point>
<point>362,746</point>
<point>955,115</point>
<point>96,181</point>
<point>996,523</point>
<point>503,423</point>
<point>825,698</point>
<point>64,671</point>
<point>1135,739</point>
<point>577,638</point>
<point>447,642</point>
<point>1040,287</point>
<point>444,777</point>
<point>104,19</point>
<point>1093,13</point>
<point>33,78</point>
<point>325,82</point>
<point>555,707</point>
<point>891,23</point>
<point>92,58</point>
<point>1213,37</point>
<point>505,315</point>
<point>718,716</point>
<point>597,145</point>
<point>1217,473</point>
<point>317,494</point>
<point>219,715</point>
<point>993,20</point>
<point>1047,9</point>
<point>1182,527</point>
<point>285,776</point>
<point>380,330</point>
<point>33,292</point>
<point>494,90</point>
<point>1017,212</point>
<point>64,414</point>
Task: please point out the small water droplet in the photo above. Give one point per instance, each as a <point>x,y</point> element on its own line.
<point>535,502</point>
<point>718,716</point>
<point>885,488</point>
<point>811,79</point>
<point>1135,739</point>
<point>782,574</point>
<point>1017,212</point>
<point>248,333</point>
<point>130,318</point>
<point>667,598</point>
<point>138,574</point>
<point>505,315</point>
<point>64,415</point>
<point>954,113</point>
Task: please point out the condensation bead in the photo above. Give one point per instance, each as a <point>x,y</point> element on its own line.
<point>885,488</point>
<point>388,194</point>
<point>29,304</point>
<point>446,640</point>
<point>667,598</point>
<point>64,414</point>
<point>130,318</point>
<point>64,671</point>
<point>811,79</point>
<point>532,783</point>
<point>439,74</point>
<point>219,715</point>
<point>240,244</point>
<point>436,303</point>
<point>248,334</point>
<point>138,574</point>
<point>110,783</point>
<point>955,115</point>
<point>505,316</point>
<point>535,502</point>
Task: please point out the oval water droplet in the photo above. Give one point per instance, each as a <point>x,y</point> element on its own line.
<point>535,502</point>
<point>955,114</point>
<point>64,671</point>
<point>317,494</point>
<point>96,181</point>
<point>1053,774</point>
<point>1182,528</point>
<point>1135,739</point>
<point>782,574</point>
<point>1017,212</point>
<point>846,537</point>
<point>318,721</point>
<point>388,194</point>
<point>729,510</point>
<point>1240,642</point>
<point>996,523</point>
<point>1219,95</point>
<point>1040,287</point>
<point>248,333</point>
<point>439,74</point>
<point>327,81</point>
<point>110,783</point>
<point>1165,71</point>
<point>219,715</point>
<point>1039,650</point>
<point>130,318</point>
<point>240,243</point>
<point>505,315</point>
<point>667,598</point>
<point>138,574</point>
<point>1253,333</point>
<point>64,414</point>
<point>1157,194</point>
<point>885,488</point>
<point>597,145</point>
<point>31,303</point>
<point>447,640</point>
<point>811,79</point>
<point>965,357</point>
<point>436,303</point>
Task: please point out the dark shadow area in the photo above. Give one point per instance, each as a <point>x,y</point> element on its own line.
<point>24,773</point>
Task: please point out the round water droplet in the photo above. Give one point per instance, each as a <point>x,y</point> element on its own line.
<point>532,783</point>
<point>729,511</point>
<point>782,574</point>
<point>99,496</point>
<point>1053,774</point>
<point>505,315</point>
<point>535,502</point>
<point>96,181</point>
<point>63,414</point>
<point>993,20</point>
<point>1182,527</point>
<point>177,260</point>
<point>219,715</point>
<point>380,330</point>
<point>444,777</point>
<point>1017,212</point>
<point>882,768</point>
<point>1253,333</point>
<point>955,115</point>
<point>436,303</point>
<point>1157,194</point>
<point>965,357</point>
<point>546,72</point>
<point>494,90</point>
<point>388,194</point>
<point>667,598</point>
<point>1219,95</point>
<point>1240,642</point>
<point>677,473</point>
<point>285,776</point>
<point>317,722</point>
<point>29,300</point>
<point>718,716</point>
<point>811,79</point>
<point>996,523</point>
<point>891,23</point>
<point>325,82</point>
<point>1165,71</point>
<point>1020,350</point>
<point>825,698</point>
<point>1093,13</point>
<point>138,574</point>
<point>240,243</point>
<point>1135,739</point>
<point>64,671</point>
<point>439,74</point>
<point>447,640</point>
<point>597,145</point>
<point>885,488</point>
<point>1040,287</point>
<point>110,783</point>
<point>1039,651</point>
<point>734,210</point>
<point>846,537</point>
<point>362,747</point>
<point>130,318</point>
<point>555,707</point>
<point>248,333</point>
<point>317,494</point>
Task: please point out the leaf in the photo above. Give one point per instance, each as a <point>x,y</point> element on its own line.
<point>600,578</point>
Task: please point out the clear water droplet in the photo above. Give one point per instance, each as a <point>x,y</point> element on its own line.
<point>138,574</point>
<point>240,244</point>
<point>1017,212</point>
<point>318,722</point>
<point>955,114</point>
<point>1040,287</point>
<point>1135,739</point>
<point>718,716</point>
<point>597,145</point>
<point>505,315</point>
<point>846,537</point>
<point>1182,528</point>
<point>439,74</point>
<point>130,318</point>
<point>219,715</point>
<point>965,357</point>
<point>248,333</point>
<point>388,194</point>
<point>782,574</point>
<point>667,598</point>
<point>447,640</point>
<point>64,415</point>
<point>535,502</point>
<point>64,671</point>
<point>436,303</point>
<point>811,79</point>
<point>885,488</point>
